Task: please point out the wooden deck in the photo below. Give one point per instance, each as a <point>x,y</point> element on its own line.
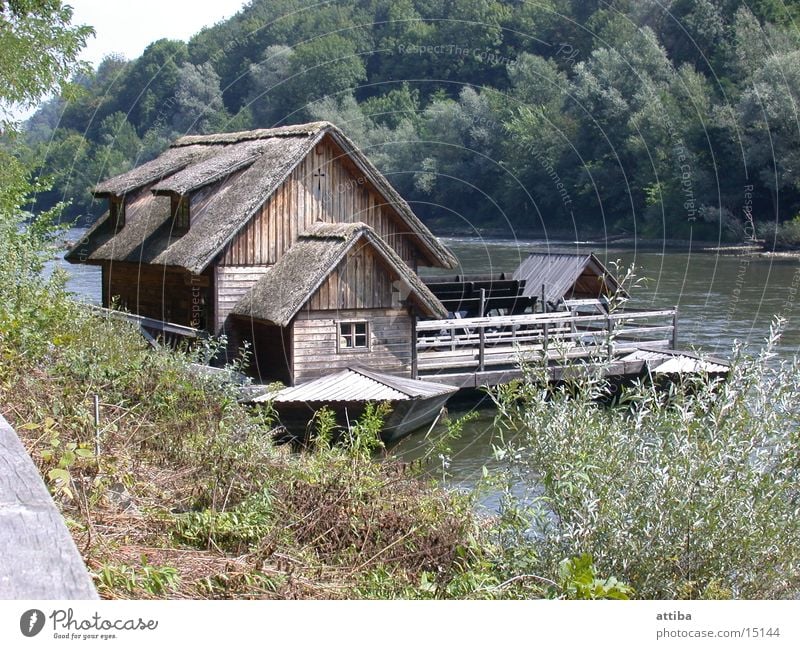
<point>39,557</point>
<point>487,351</point>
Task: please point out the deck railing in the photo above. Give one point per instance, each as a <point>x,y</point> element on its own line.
<point>477,344</point>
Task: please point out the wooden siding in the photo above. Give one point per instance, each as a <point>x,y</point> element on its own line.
<point>232,282</point>
<point>160,292</point>
<point>360,281</point>
<point>340,195</point>
<point>315,350</point>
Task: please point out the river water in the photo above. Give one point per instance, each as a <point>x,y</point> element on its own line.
<point>721,299</point>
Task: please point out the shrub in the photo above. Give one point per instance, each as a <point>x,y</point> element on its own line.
<point>683,493</point>
<point>781,236</point>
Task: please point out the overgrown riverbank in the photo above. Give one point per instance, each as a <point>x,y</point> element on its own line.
<point>686,493</point>
<point>190,498</point>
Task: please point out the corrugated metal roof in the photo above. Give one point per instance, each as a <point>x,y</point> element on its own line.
<point>358,385</point>
<point>649,355</point>
<point>686,365</point>
<point>677,362</point>
<point>559,272</point>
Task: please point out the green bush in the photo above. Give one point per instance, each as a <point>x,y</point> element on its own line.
<point>687,492</point>
<point>781,236</point>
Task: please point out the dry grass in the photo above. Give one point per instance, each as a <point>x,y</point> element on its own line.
<point>190,498</point>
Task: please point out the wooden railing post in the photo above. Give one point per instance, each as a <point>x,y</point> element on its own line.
<point>481,348</point>
<point>675,328</point>
<point>546,333</point>
<point>610,334</point>
<point>414,364</point>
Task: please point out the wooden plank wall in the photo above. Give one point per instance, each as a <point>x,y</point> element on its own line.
<point>341,195</point>
<point>156,291</point>
<point>588,286</point>
<point>39,557</point>
<point>315,353</point>
<point>232,282</point>
<point>361,281</point>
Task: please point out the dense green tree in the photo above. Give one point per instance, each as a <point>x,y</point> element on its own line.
<point>635,116</point>
<point>40,50</point>
<point>326,66</point>
<point>770,114</point>
<point>148,95</point>
<point>267,91</point>
<point>198,100</point>
<point>400,103</point>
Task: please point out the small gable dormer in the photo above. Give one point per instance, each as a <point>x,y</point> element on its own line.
<point>116,212</point>
<point>180,210</point>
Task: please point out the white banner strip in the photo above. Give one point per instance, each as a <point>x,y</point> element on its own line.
<point>405,625</point>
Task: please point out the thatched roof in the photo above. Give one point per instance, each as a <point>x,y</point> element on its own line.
<point>168,163</point>
<point>287,286</point>
<point>234,173</point>
<point>145,225</point>
<point>214,168</point>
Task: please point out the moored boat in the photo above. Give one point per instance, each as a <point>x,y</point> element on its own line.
<point>414,403</point>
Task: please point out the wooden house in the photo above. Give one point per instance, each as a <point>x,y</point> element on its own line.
<point>286,238</point>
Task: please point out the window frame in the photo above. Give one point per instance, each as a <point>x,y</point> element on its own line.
<point>352,336</point>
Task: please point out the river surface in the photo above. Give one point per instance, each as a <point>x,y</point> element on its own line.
<point>721,299</point>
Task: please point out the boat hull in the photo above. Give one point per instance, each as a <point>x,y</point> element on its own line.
<point>405,417</point>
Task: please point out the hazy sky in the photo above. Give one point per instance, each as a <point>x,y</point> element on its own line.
<point>128,26</point>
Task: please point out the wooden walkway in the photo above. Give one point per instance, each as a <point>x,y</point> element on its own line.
<point>39,557</point>
<point>470,352</point>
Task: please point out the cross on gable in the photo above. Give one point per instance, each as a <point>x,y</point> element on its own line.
<point>319,174</point>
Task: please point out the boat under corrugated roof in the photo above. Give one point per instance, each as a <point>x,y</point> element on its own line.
<point>415,403</point>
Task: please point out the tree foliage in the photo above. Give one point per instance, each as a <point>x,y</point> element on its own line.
<point>40,48</point>
<point>660,119</point>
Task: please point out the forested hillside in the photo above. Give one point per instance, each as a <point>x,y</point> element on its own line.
<point>670,118</point>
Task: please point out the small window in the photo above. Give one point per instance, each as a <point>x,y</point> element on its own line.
<point>353,335</point>
<point>117,212</point>
<point>180,210</point>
